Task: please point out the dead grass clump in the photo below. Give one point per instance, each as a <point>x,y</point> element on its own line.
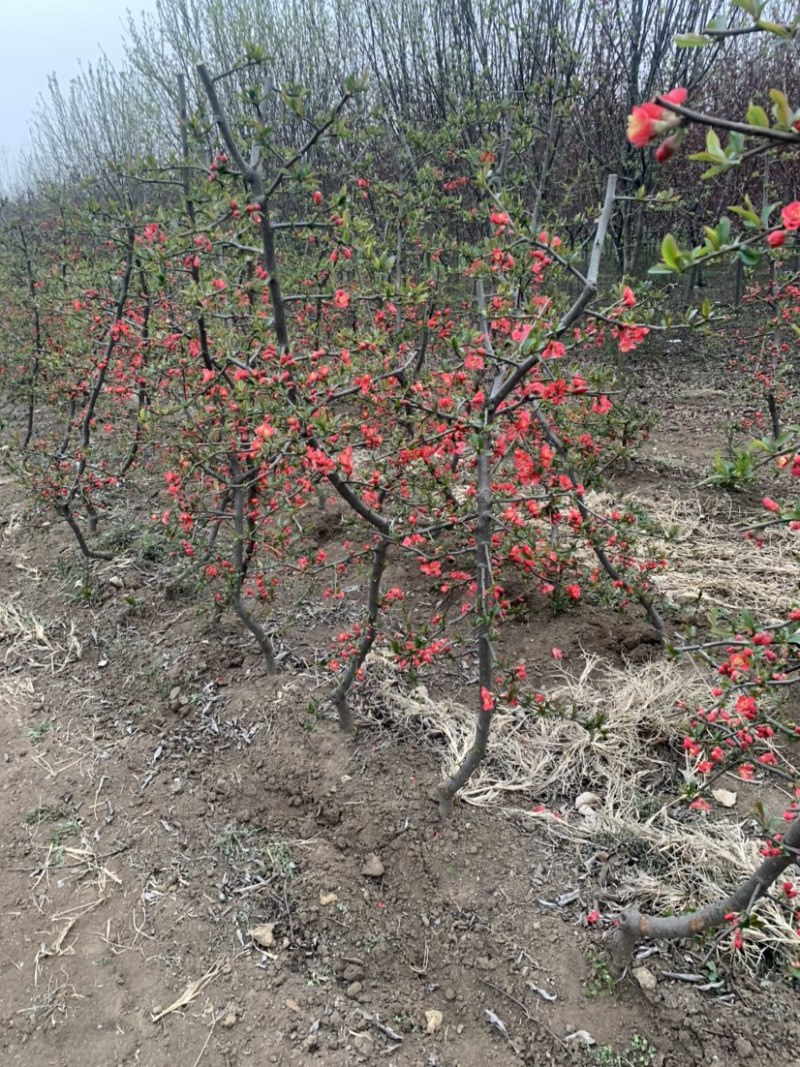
<point>710,564</point>
<point>608,736</point>
<point>31,643</point>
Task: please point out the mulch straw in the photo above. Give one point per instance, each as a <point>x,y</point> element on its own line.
<point>709,560</point>
<point>613,732</point>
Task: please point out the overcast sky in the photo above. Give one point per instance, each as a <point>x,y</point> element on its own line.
<point>44,36</point>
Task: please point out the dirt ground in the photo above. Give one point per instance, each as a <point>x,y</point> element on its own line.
<point>195,867</point>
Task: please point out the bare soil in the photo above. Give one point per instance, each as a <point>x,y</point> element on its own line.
<point>196,868</point>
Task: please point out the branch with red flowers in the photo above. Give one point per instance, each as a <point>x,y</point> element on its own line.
<point>699,118</point>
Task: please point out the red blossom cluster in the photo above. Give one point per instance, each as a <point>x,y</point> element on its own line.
<point>648,121</point>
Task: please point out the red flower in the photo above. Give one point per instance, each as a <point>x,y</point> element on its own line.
<point>676,96</point>
<point>554,350</point>
<point>630,337</point>
<point>647,121</point>
<point>666,149</point>
<point>770,504</point>
<point>317,197</point>
<point>487,700</point>
<point>776,238</point>
<point>642,124</point>
<point>501,219</point>
<point>628,297</point>
<point>341,299</point>
<point>790,216</point>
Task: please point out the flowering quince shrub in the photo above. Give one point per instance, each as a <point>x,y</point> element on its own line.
<point>292,337</point>
<point>394,343</point>
<point>88,367</point>
<point>755,662</point>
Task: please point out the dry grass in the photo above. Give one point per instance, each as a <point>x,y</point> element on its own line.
<point>710,564</point>
<point>29,642</point>
<point>16,691</point>
<point>614,733</point>
<point>602,738</point>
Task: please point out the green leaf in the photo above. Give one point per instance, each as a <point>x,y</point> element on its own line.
<point>670,252</point>
<point>713,146</point>
<point>757,116</point>
<point>712,237</point>
<point>735,146</point>
<point>692,40</point>
<point>750,6</point>
<point>765,214</point>
<point>703,157</point>
<point>780,108</point>
<point>748,257</point>
<point>712,172</point>
<point>774,27</point>
<point>746,214</point>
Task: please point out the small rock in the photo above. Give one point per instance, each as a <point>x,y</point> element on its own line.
<point>645,977</point>
<point>373,868</point>
<point>292,1004</point>
<point>725,797</point>
<point>327,898</point>
<point>228,1020</point>
<point>450,994</point>
<point>354,990</point>
<point>352,973</point>
<point>580,1037</point>
<point>433,1020</point>
<point>264,935</point>
<point>311,1043</point>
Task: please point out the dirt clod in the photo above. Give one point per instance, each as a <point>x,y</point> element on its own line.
<point>373,867</point>
<point>645,978</point>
